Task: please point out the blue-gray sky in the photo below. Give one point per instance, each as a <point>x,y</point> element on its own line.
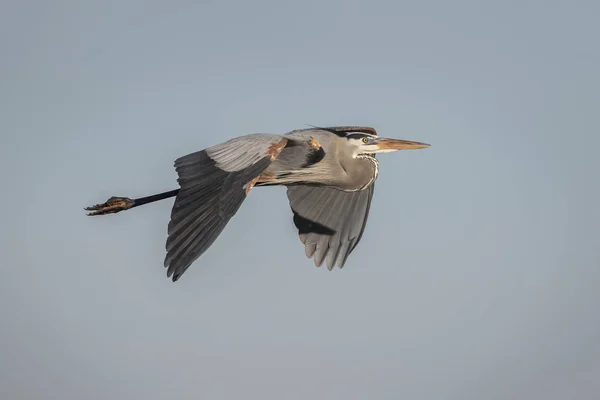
<point>478,273</point>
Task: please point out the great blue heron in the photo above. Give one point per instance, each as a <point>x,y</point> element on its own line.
<point>329,174</point>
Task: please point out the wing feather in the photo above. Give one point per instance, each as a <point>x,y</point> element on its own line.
<point>330,222</point>
<point>241,152</point>
<point>214,183</point>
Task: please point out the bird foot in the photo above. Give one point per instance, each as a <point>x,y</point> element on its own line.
<point>111,206</point>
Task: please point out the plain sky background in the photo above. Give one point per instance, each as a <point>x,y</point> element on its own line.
<point>478,275</point>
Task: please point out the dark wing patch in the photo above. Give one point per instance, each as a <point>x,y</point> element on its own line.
<point>208,198</point>
<point>330,222</point>
<point>314,156</point>
<point>305,225</point>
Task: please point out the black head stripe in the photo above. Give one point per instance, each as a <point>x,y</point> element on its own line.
<point>344,131</point>
<point>355,129</point>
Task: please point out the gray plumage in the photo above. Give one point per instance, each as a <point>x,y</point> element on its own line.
<point>338,168</point>
<point>342,217</point>
<point>329,174</point>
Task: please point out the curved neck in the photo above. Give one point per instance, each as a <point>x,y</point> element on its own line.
<point>361,171</point>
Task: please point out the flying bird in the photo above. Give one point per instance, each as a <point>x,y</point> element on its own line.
<point>329,174</point>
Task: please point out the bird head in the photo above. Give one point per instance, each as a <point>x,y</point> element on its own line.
<point>366,143</point>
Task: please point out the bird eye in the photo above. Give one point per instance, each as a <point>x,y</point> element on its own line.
<point>365,140</point>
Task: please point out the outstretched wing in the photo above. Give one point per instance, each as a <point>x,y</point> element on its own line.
<point>214,183</point>
<point>330,222</point>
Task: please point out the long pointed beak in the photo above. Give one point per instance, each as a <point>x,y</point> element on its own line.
<point>397,144</point>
